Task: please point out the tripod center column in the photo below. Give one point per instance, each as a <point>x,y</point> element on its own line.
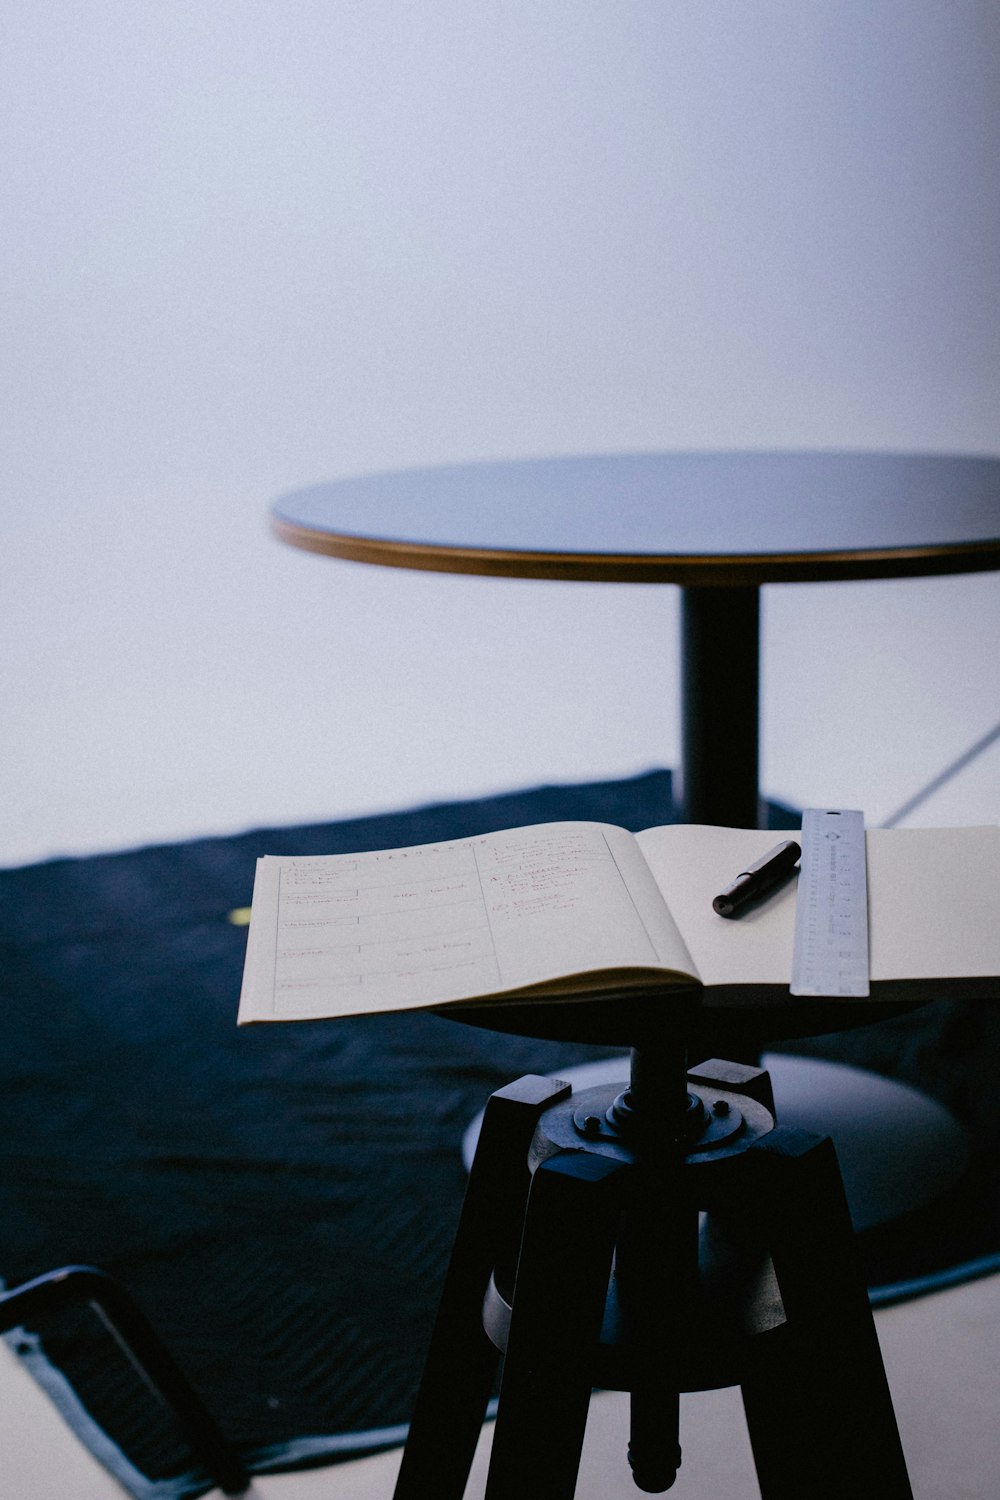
<point>657,1264</point>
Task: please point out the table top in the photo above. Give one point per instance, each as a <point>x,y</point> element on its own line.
<point>699,519</point>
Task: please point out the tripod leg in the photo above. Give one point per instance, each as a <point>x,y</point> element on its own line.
<point>817,1400</point>
<point>657,1268</point>
<point>559,1297</point>
<point>659,1303</point>
<point>461,1362</point>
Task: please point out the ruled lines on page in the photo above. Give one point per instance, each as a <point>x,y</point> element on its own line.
<point>445,921</point>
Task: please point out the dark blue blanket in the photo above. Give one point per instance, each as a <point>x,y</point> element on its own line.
<point>281,1199</point>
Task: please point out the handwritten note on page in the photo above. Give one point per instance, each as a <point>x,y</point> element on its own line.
<point>345,934</point>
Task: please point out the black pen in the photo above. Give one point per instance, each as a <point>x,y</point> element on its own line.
<point>758,878</point>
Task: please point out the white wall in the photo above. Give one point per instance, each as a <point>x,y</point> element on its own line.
<point>247,246</point>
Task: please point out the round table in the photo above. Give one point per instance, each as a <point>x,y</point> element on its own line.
<point>717,524</point>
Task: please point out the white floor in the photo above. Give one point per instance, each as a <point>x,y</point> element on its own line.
<point>940,1355</point>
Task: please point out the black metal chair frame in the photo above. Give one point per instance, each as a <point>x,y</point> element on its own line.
<point>75,1286</point>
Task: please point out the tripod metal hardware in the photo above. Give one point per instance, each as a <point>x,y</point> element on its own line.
<point>673,1245</point>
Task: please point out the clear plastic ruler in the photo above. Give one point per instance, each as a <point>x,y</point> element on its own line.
<point>830,956</point>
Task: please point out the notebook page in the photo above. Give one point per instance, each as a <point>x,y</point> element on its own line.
<point>345,934</point>
<point>691,864</point>
<point>933,902</point>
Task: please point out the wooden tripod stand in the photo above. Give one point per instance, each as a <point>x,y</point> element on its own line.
<point>580,1260</point>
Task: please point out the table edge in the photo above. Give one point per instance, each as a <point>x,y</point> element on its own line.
<point>693,570</point>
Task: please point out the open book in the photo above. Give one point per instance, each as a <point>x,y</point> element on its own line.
<point>585,909</point>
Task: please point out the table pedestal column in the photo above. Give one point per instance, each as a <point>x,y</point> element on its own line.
<point>720,706</point>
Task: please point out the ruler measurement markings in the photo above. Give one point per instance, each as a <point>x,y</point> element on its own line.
<point>831,919</point>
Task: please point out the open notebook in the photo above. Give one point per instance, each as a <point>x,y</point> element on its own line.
<point>587,909</point>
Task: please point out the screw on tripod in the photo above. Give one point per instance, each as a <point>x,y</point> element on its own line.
<point>653,1479</point>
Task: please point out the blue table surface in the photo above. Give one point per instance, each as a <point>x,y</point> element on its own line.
<point>725,504</point>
